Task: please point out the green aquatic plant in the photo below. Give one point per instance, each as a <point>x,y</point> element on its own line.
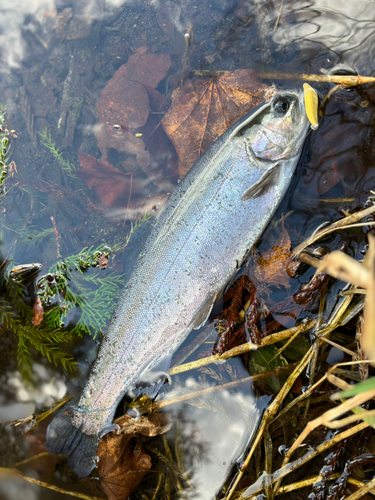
<point>4,147</point>
<point>47,141</point>
<point>16,317</point>
<point>69,285</point>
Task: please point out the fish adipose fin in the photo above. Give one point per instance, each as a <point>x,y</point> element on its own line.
<point>64,438</point>
<point>265,183</point>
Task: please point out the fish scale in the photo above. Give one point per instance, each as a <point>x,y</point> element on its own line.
<point>207,227</point>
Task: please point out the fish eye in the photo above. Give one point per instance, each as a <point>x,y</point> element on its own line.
<point>281,105</point>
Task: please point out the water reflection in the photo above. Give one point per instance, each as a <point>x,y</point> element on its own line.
<point>216,428</point>
<point>57,56</point>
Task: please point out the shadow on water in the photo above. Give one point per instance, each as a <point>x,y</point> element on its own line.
<point>75,189</point>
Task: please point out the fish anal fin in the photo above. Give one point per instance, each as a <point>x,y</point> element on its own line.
<point>263,185</point>
<point>154,377</point>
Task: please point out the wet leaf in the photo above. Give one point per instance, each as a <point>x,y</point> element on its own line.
<point>296,349</point>
<point>116,189</point>
<point>271,266</point>
<point>260,360</point>
<point>109,183</point>
<point>124,104</point>
<point>201,111</point>
<point>121,466</point>
<point>38,312</point>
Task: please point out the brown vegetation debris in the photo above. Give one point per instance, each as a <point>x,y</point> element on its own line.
<point>271,266</point>
<point>203,110</point>
<point>121,466</point>
<point>124,104</point>
<point>153,424</point>
<point>38,311</point>
<point>109,183</point>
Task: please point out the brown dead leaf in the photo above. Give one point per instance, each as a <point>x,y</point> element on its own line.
<point>124,104</point>
<point>38,312</point>
<point>109,183</point>
<point>121,466</point>
<point>203,110</point>
<point>271,266</point>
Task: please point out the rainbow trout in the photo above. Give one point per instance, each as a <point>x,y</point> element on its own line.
<point>199,238</point>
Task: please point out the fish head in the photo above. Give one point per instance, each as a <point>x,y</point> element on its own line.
<point>278,129</point>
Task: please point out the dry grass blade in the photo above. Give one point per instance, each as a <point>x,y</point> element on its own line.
<point>241,349</point>
<point>362,491</point>
<point>347,80</point>
<point>278,475</point>
<point>229,385</point>
<point>269,415</point>
<point>327,419</point>
<point>340,224</point>
<point>8,472</point>
<point>309,482</point>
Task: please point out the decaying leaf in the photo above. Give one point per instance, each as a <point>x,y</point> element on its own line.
<point>121,466</point>
<point>124,105</point>
<point>109,183</point>
<point>122,463</point>
<point>38,311</point>
<point>124,194</point>
<point>201,111</point>
<point>270,267</point>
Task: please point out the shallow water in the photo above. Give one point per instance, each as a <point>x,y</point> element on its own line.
<point>56,59</point>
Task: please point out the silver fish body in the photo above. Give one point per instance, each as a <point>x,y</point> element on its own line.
<point>199,238</point>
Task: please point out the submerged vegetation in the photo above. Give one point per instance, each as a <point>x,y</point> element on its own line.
<point>70,285</point>
<point>47,141</point>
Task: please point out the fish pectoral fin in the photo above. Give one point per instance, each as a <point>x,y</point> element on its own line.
<point>265,183</point>
<point>203,313</point>
<point>153,378</point>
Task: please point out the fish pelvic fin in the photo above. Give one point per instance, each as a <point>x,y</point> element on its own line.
<point>64,438</point>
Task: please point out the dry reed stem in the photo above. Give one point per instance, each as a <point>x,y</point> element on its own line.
<point>362,491</point>
<point>229,385</point>
<point>269,415</point>
<point>8,472</point>
<point>309,482</point>
<point>278,475</point>
<point>347,80</point>
<point>242,349</point>
<point>340,224</point>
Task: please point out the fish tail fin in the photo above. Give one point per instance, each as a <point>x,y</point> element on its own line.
<point>64,438</point>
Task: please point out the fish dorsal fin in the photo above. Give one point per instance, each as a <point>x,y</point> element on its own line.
<point>201,316</point>
<point>263,185</point>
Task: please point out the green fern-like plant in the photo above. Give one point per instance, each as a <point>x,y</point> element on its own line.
<point>16,316</point>
<point>69,285</point>
<point>47,141</point>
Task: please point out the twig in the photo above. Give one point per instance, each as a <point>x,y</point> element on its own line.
<point>58,237</point>
<point>342,223</point>
<point>361,492</point>
<point>241,349</point>
<point>14,472</point>
<point>348,80</point>
<point>285,470</point>
<point>203,392</point>
<point>31,459</point>
<point>268,417</point>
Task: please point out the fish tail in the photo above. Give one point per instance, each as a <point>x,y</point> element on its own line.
<point>64,438</point>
